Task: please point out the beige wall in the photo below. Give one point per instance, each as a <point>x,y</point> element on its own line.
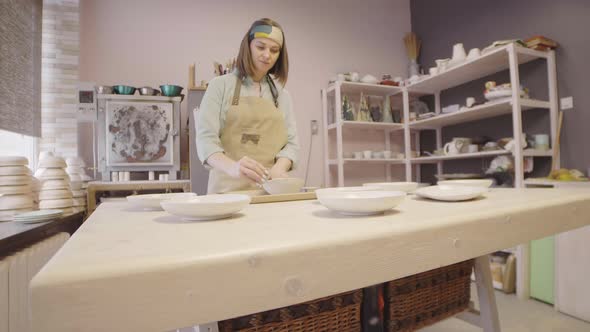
<point>153,42</point>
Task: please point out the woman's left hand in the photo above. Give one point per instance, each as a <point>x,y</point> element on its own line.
<point>280,168</point>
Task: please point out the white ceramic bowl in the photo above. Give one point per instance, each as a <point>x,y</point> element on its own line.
<point>283,186</point>
<point>13,161</point>
<point>79,202</point>
<point>407,187</point>
<point>208,207</point>
<point>321,192</point>
<point>75,170</point>
<point>152,201</point>
<point>362,202</point>
<point>451,193</point>
<point>55,203</point>
<point>52,162</point>
<point>14,170</point>
<point>15,180</point>
<point>484,183</point>
<point>12,190</point>
<point>51,174</point>
<point>15,202</point>
<point>55,194</point>
<point>78,193</point>
<point>54,184</point>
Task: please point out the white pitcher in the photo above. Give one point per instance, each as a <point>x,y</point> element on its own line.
<point>456,146</point>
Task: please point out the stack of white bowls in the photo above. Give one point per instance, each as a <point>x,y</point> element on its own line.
<point>78,182</point>
<point>54,191</point>
<point>16,195</point>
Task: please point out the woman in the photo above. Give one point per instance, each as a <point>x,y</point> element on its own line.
<point>246,129</point>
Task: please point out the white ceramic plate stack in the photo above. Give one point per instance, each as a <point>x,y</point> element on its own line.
<point>16,195</point>
<point>55,191</point>
<point>75,167</point>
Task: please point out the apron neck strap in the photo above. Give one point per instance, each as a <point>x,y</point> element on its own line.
<point>236,98</point>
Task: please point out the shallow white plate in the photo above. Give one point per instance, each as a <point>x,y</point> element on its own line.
<point>362,202</point>
<point>451,193</point>
<point>37,216</point>
<point>321,192</point>
<point>407,187</point>
<point>485,183</point>
<point>8,215</point>
<point>283,186</point>
<point>208,207</point>
<point>152,201</point>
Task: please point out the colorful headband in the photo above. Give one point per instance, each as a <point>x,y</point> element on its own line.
<point>267,31</point>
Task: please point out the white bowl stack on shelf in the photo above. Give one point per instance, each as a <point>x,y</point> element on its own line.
<point>54,190</point>
<point>78,182</point>
<point>16,194</point>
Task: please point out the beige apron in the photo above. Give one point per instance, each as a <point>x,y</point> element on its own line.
<point>254,127</point>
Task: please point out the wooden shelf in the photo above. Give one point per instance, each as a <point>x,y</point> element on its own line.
<point>434,159</point>
<point>334,162</point>
<point>138,97</point>
<point>487,110</point>
<point>367,89</point>
<point>490,63</point>
<point>368,125</point>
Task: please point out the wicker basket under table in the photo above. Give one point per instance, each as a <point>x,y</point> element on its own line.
<point>337,313</point>
<point>423,299</point>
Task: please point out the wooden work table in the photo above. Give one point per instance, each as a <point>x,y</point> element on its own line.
<point>129,270</point>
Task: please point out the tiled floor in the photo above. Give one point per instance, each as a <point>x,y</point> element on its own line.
<point>518,316</point>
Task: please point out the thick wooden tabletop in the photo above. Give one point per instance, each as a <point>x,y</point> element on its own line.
<point>130,270</point>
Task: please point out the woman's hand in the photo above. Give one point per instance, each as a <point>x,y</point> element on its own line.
<point>249,168</point>
<point>280,168</point>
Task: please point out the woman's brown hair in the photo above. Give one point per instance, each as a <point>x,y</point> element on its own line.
<point>280,70</point>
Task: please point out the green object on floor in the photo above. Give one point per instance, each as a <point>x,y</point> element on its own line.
<point>543,269</point>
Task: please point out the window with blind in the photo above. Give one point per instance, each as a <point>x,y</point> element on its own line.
<point>20,66</point>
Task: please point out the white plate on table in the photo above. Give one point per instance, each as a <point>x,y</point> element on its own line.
<point>484,183</point>
<point>321,192</point>
<point>208,207</point>
<point>361,202</point>
<point>407,187</point>
<point>152,201</point>
<point>451,193</point>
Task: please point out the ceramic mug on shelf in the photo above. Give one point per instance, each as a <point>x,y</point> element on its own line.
<point>470,101</point>
<point>387,154</point>
<point>459,52</point>
<point>367,154</point>
<point>358,155</point>
<point>472,148</point>
<point>542,142</point>
<point>456,146</point>
<point>473,53</point>
<point>433,71</point>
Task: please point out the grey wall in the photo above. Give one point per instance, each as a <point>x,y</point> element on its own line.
<point>477,23</point>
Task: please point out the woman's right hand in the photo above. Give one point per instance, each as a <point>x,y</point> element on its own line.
<point>250,169</point>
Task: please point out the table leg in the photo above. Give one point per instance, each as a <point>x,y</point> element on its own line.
<point>487,316</point>
<point>91,197</point>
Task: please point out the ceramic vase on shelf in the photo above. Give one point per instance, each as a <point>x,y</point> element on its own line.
<point>387,111</point>
<point>413,68</point>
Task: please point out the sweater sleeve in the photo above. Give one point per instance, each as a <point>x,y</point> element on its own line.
<point>209,120</point>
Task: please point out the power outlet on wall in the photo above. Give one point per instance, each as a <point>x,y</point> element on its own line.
<point>567,103</point>
<point>314,127</point>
